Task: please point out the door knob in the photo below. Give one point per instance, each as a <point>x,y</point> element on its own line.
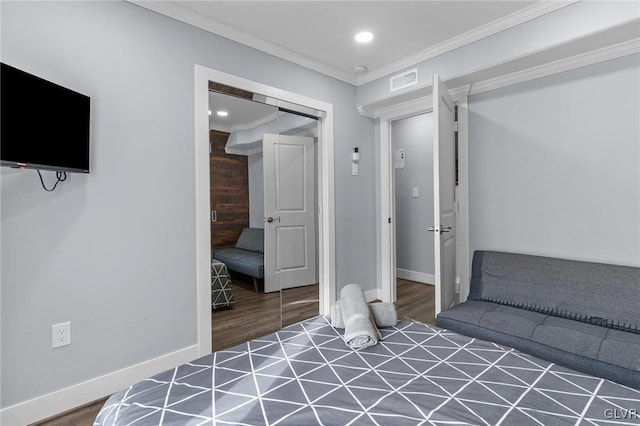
<point>442,229</point>
<point>272,219</point>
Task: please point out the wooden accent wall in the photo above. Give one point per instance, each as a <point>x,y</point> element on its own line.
<point>229,182</point>
<point>223,88</point>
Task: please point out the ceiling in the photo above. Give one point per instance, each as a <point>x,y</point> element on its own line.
<point>243,113</point>
<point>320,34</point>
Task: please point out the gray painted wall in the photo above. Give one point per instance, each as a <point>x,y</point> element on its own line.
<point>414,216</point>
<point>114,251</point>
<point>555,165</point>
<point>256,191</point>
<point>573,21</point>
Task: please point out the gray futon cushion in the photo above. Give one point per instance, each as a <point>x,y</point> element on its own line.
<point>246,262</point>
<point>596,350</point>
<point>251,239</point>
<point>578,314</point>
<point>600,294</point>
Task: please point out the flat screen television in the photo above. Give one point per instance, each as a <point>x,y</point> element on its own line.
<point>42,125</point>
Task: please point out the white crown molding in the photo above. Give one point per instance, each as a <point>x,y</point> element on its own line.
<point>255,123</point>
<point>220,128</point>
<point>526,14</point>
<point>181,13</point>
<point>245,152</point>
<point>423,96</point>
<point>312,133</point>
<point>423,101</point>
<point>566,64</point>
<point>402,109</point>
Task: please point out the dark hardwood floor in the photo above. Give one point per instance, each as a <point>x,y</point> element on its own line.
<point>416,301</point>
<point>82,416</point>
<point>257,314</point>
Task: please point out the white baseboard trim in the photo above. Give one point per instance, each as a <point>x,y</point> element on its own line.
<point>420,277</point>
<point>66,399</point>
<point>374,294</point>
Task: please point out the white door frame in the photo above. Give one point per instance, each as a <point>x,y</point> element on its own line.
<point>326,194</point>
<point>387,269</point>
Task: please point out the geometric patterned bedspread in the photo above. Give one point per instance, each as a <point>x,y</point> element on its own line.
<point>305,375</point>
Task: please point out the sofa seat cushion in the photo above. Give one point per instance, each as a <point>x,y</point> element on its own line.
<point>513,321</point>
<point>246,262</point>
<point>594,293</point>
<point>251,239</point>
<point>589,348</point>
<point>571,336</point>
<point>471,312</point>
<point>504,319</point>
<point>621,348</point>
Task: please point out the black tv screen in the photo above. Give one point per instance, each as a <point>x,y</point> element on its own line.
<point>42,125</point>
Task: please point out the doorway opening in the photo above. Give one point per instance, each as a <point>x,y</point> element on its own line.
<point>412,139</point>
<point>263,185</point>
<point>450,201</point>
<point>325,217</point>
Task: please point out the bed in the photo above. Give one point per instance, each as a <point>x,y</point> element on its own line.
<point>418,374</point>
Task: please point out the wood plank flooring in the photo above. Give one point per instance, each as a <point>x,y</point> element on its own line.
<point>257,314</point>
<point>416,301</point>
<point>82,416</point>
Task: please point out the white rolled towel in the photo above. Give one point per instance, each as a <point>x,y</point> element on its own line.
<point>359,329</point>
<point>384,314</point>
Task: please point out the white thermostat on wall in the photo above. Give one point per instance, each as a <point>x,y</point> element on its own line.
<point>398,160</point>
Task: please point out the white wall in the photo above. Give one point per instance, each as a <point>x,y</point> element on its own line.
<point>114,251</point>
<point>256,191</point>
<point>555,165</point>
<point>414,216</point>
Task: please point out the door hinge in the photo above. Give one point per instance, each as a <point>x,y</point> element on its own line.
<point>458,285</point>
<point>389,220</point>
<point>455,126</point>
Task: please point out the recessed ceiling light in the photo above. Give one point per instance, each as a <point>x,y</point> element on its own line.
<point>364,37</point>
<point>222,113</point>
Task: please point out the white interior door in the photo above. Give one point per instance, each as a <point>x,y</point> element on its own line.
<point>444,195</point>
<point>289,208</point>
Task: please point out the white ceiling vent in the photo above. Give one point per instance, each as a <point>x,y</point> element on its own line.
<point>401,81</point>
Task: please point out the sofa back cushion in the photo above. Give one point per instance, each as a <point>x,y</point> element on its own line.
<point>596,293</point>
<point>251,239</point>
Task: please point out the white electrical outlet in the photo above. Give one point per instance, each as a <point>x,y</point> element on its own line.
<point>60,334</point>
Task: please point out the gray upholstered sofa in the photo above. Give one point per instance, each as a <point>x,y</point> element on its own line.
<point>585,316</point>
<point>247,257</point>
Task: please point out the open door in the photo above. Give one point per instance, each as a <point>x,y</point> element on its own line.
<point>289,208</point>
<point>444,176</point>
